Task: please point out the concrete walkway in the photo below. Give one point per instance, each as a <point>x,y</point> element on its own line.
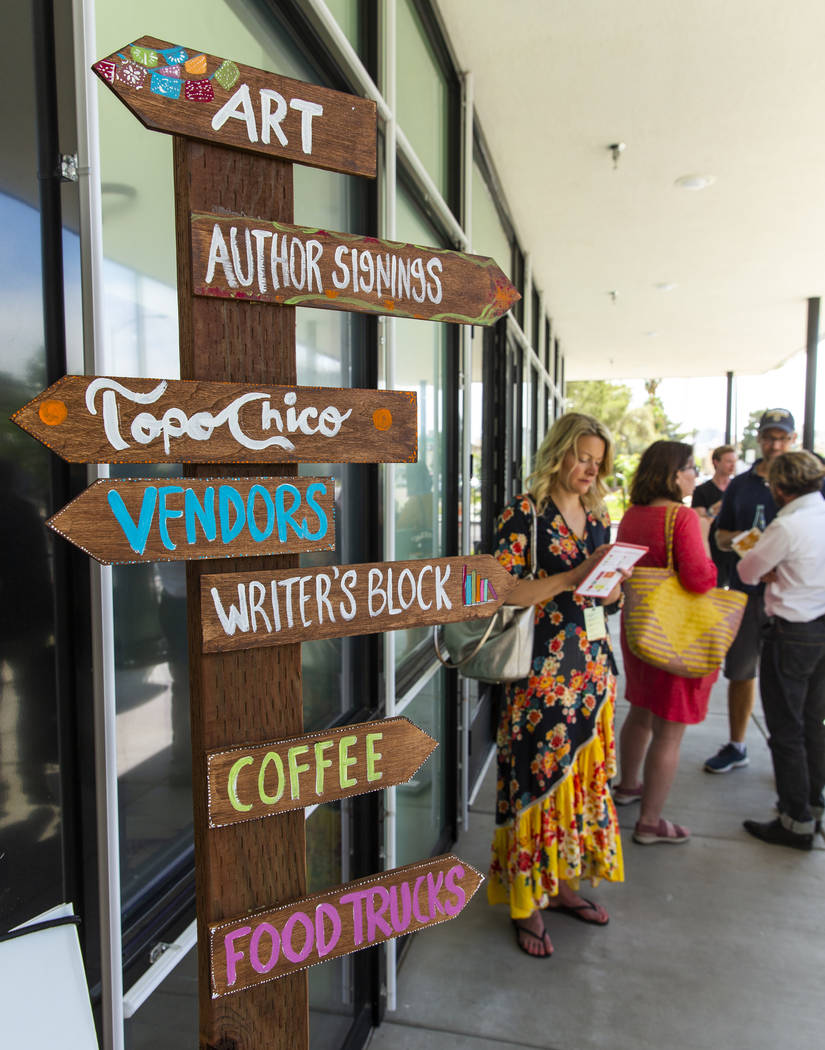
<point>718,943</point>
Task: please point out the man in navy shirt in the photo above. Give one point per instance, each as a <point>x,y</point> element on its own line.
<point>748,502</point>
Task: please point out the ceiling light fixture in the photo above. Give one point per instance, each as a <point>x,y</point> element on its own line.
<point>694,182</point>
<point>616,150</point>
<point>666,286</point>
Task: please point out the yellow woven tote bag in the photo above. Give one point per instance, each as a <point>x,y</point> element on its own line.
<point>673,628</point>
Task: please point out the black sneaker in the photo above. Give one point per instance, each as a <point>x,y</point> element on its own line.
<point>775,832</point>
<point>726,759</point>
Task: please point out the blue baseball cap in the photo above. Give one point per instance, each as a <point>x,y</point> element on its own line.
<point>780,418</point>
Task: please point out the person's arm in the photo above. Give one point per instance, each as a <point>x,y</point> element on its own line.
<point>765,555</point>
<point>726,519</point>
<point>696,571</point>
<point>532,592</point>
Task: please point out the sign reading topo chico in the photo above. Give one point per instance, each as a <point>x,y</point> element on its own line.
<point>183,91</point>
<point>149,519</point>
<point>249,782</point>
<point>298,266</point>
<point>243,610</point>
<point>97,419</point>
<point>261,947</point>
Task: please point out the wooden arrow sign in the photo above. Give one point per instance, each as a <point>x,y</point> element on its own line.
<point>247,610</point>
<point>246,783</point>
<point>97,419</point>
<point>274,262</point>
<point>153,519</point>
<point>180,90</point>
<point>266,945</point>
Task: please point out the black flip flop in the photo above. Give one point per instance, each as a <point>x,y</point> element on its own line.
<point>543,940</point>
<point>575,910</point>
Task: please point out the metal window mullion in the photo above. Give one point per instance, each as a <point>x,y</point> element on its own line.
<point>105,729</point>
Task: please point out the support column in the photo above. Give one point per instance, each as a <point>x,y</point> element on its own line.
<point>729,409</point>
<point>810,375</point>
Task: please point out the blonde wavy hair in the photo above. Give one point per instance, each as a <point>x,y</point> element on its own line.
<point>563,436</point>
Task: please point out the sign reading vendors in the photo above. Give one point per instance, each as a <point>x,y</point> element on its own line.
<point>180,90</point>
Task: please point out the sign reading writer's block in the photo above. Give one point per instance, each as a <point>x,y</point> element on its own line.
<point>151,519</point>
<point>246,783</point>
<point>103,419</point>
<point>180,90</point>
<point>249,259</point>
<point>261,947</point>
<point>247,610</point>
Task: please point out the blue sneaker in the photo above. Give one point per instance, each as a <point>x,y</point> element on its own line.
<point>727,758</point>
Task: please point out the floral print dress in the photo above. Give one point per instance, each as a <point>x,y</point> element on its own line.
<point>556,749</point>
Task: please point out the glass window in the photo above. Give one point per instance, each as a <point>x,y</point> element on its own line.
<point>536,322</point>
<point>420,362</point>
<point>421,803</point>
<point>423,97</point>
<point>347,13</point>
<point>489,235</point>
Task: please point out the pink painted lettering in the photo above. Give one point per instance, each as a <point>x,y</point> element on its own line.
<point>322,945</point>
<point>415,902</point>
<point>233,956</point>
<point>400,923</point>
<point>274,947</point>
<point>433,890</point>
<point>286,936</point>
<point>375,915</point>
<point>357,899</point>
<point>451,882</point>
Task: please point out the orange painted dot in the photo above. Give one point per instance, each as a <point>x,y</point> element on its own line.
<point>382,419</point>
<point>53,412</point>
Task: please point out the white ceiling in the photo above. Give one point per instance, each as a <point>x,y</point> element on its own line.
<point>731,88</point>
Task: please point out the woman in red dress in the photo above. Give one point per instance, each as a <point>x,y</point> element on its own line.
<point>662,704</point>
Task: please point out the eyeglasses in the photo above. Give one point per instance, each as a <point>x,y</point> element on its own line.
<point>690,466</point>
<point>775,439</point>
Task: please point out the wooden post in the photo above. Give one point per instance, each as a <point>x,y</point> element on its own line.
<point>239,697</point>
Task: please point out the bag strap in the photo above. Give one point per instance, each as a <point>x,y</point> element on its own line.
<point>534,539</point>
<point>670,526</point>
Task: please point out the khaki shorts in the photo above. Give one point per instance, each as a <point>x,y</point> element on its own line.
<point>742,660</point>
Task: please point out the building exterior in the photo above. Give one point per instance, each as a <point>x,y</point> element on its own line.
<point>95,775</point>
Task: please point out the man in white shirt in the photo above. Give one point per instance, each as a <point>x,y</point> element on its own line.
<point>790,558</point>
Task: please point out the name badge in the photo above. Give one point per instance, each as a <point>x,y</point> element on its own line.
<point>594,623</point>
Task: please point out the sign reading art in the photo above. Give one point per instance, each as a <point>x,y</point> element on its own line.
<point>97,419</point>
<point>246,783</point>
<point>247,610</point>
<point>261,947</point>
<point>150,519</point>
<point>297,266</point>
<point>183,91</point>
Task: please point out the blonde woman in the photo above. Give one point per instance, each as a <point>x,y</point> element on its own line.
<point>555,821</point>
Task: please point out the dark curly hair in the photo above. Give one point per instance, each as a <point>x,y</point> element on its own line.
<point>655,477</point>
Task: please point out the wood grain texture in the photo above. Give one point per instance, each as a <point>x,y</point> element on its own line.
<point>248,610</point>
<point>251,697</point>
<point>267,261</point>
<point>249,783</point>
<point>271,115</point>
<point>115,419</point>
<point>256,949</point>
<point>198,518</point>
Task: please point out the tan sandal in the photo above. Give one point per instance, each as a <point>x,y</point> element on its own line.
<point>665,831</point>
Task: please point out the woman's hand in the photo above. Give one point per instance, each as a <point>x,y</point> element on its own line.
<point>615,594</point>
<point>578,573</point>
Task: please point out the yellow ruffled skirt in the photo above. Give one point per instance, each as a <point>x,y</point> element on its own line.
<point>570,834</point>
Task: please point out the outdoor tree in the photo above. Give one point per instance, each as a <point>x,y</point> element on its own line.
<point>750,431</point>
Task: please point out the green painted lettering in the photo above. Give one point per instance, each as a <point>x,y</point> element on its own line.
<point>296,768</point>
<point>373,756</point>
<point>345,761</point>
<point>275,759</point>
<point>232,784</point>
<point>321,764</point>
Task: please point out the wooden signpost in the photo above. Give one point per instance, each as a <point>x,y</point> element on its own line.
<point>247,610</point>
<point>261,947</point>
<point>105,419</point>
<point>237,131</point>
<point>247,783</point>
<point>181,90</point>
<point>150,519</point>
<point>298,266</point>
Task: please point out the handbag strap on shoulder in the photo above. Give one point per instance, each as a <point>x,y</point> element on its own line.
<point>670,526</point>
<point>534,538</point>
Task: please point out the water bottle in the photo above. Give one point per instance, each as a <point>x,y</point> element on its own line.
<point>759,518</point>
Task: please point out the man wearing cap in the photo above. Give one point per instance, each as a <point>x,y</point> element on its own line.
<point>748,502</point>
<point>790,559</point>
